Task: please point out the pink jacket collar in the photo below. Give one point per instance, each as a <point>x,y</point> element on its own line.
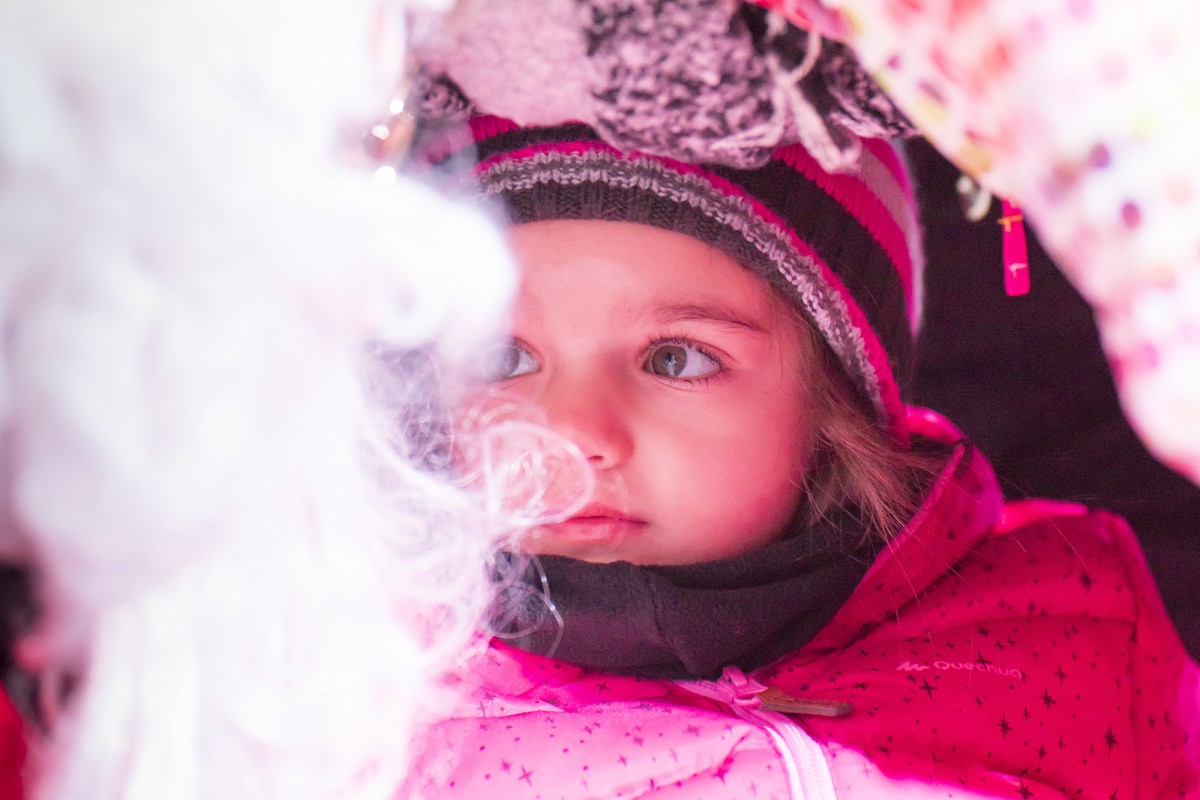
<point>963,506</point>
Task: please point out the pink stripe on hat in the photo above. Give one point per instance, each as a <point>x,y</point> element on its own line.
<point>862,199</point>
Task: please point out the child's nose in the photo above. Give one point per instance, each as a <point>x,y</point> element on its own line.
<point>593,414</point>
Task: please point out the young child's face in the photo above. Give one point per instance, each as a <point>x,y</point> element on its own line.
<point>679,377</point>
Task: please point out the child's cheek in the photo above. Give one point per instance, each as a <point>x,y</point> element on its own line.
<point>528,475</point>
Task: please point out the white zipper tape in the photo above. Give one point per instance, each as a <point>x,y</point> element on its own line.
<point>809,776</point>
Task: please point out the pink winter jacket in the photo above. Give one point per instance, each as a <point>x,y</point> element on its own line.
<point>993,651</point>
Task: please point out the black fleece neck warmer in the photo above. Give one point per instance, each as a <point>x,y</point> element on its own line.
<point>685,621</point>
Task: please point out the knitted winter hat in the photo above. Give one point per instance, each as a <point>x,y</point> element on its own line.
<point>844,248</point>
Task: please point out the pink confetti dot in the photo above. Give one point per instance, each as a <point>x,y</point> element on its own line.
<point>1162,275</point>
<point>1080,9</point>
<point>1146,356</point>
<point>1035,31</point>
<point>1131,215</point>
<point>1113,68</point>
<point>1180,190</point>
<point>932,91</point>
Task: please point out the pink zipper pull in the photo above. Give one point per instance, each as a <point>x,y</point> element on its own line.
<point>1016,252</point>
<point>740,689</point>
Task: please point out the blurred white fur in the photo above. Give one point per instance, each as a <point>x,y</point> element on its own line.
<point>256,581</point>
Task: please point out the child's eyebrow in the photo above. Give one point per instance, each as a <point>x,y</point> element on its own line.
<point>708,312</point>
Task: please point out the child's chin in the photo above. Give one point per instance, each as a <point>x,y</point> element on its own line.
<point>593,540</point>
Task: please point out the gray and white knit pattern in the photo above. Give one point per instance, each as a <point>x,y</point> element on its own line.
<point>704,81</point>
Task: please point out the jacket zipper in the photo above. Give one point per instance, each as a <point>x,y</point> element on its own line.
<point>809,777</point>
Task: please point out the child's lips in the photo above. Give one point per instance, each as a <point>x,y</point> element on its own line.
<point>597,524</point>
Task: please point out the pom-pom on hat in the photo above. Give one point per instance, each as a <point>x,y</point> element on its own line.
<point>843,248</point>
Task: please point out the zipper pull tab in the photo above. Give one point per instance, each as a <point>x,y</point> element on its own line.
<point>773,699</point>
<point>1016,252</point>
<point>737,689</point>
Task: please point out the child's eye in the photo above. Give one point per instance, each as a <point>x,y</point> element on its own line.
<point>507,360</point>
<point>679,359</point>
